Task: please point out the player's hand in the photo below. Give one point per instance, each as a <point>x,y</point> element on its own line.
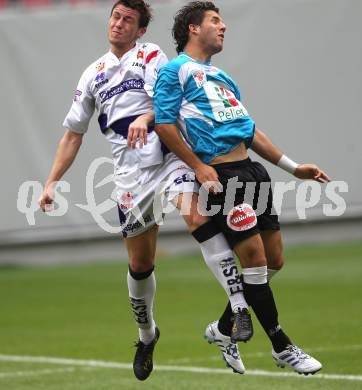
<point>311,172</point>
<point>208,176</point>
<point>46,198</point>
<point>137,133</point>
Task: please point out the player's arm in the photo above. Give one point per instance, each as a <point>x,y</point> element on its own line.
<point>66,152</point>
<point>137,130</point>
<point>171,137</point>
<point>264,147</point>
<point>76,123</point>
<point>167,104</point>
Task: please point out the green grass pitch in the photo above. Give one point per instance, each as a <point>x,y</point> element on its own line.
<point>82,313</point>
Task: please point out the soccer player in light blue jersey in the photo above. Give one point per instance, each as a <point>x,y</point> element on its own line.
<point>200,117</point>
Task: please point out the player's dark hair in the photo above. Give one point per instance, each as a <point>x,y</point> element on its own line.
<point>141,6</point>
<point>192,13</point>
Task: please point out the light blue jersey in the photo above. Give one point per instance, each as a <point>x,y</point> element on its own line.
<point>205,104</point>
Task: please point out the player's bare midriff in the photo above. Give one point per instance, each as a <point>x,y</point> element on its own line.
<point>237,154</point>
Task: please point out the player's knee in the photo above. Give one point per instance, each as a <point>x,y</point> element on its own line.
<point>276,262</point>
<point>140,264</point>
<point>279,263</point>
<point>251,256</point>
<point>199,220</point>
<point>255,259</point>
<point>195,220</point>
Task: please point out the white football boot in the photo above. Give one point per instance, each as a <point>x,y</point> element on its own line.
<point>296,359</point>
<point>229,350</point>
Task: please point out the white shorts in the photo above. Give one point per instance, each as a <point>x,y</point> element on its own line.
<point>144,195</point>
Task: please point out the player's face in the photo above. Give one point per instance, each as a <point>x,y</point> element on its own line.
<point>123,27</point>
<point>212,31</point>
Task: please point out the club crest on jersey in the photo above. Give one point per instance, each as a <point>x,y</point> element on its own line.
<point>241,217</point>
<point>200,78</point>
<point>126,201</point>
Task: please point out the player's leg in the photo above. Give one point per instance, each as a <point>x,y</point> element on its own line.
<point>260,297</point>
<point>141,280</point>
<point>268,224</point>
<point>139,229</point>
<point>241,227</point>
<point>182,190</point>
<point>142,288</point>
<point>258,293</point>
<point>273,245</point>
<point>292,355</point>
<point>242,234</point>
<point>219,258</point>
<point>215,250</point>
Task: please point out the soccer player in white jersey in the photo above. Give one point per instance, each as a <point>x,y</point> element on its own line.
<point>203,102</point>
<point>119,85</point>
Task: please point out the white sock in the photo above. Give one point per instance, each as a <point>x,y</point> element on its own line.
<point>147,335</point>
<point>141,295</point>
<point>255,275</point>
<point>271,273</point>
<point>219,258</point>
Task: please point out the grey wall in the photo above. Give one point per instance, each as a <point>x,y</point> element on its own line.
<point>298,64</point>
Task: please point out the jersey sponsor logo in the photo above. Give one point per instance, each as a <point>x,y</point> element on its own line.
<point>225,106</point>
<point>140,55</point>
<point>227,97</point>
<point>241,217</point>
<point>98,85</point>
<point>101,80</point>
<point>100,77</point>
<point>231,113</point>
<point>200,78</point>
<point>100,66</point>
<point>77,95</point>
<point>140,65</point>
<point>124,86</point>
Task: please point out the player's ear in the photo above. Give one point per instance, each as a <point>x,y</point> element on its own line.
<point>141,32</point>
<point>194,28</point>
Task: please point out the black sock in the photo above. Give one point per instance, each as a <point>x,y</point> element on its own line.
<point>279,340</point>
<point>260,298</point>
<point>226,321</point>
<point>140,275</point>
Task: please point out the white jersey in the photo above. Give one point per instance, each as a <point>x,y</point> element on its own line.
<point>120,90</point>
